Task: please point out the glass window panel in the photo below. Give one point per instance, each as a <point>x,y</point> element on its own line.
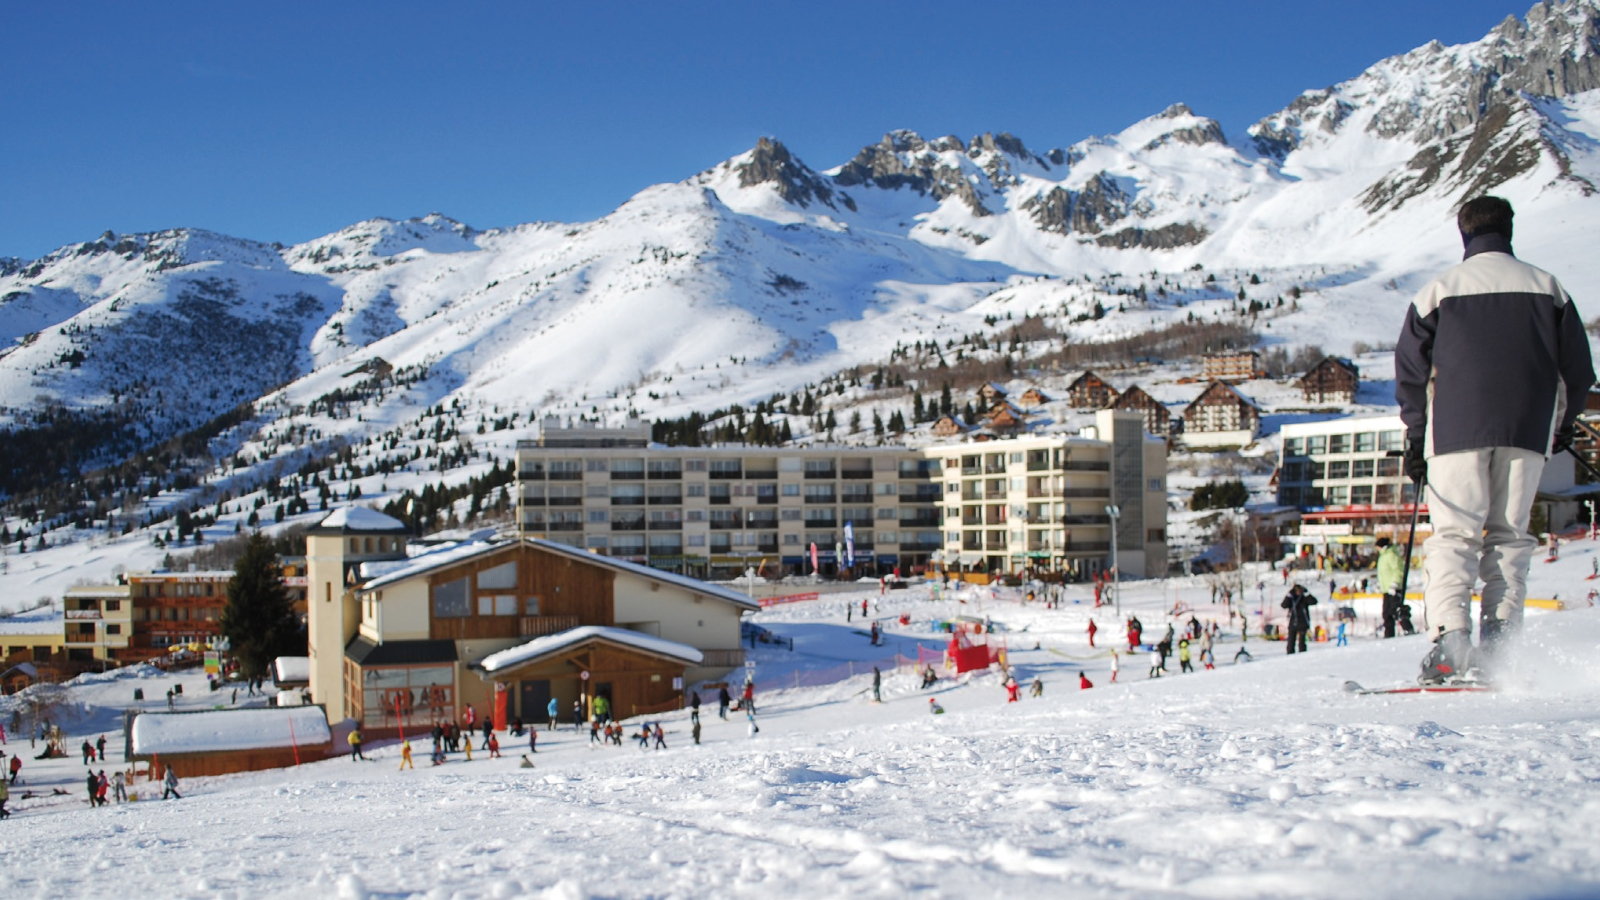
<point>505,604</point>
<point>530,606</point>
<point>485,605</point>
<point>450,599</point>
<point>1366,442</point>
<point>501,576</point>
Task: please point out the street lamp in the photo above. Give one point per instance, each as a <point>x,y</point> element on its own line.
<point>1116,588</point>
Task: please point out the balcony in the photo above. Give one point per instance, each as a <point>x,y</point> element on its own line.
<point>725,525</point>
<point>668,475</point>
<point>994,469</point>
<point>572,475</point>
<point>666,526</point>
<point>820,474</point>
<point>533,501</point>
<point>627,475</point>
<point>535,473</point>
<point>1036,492</point>
<point>762,476</point>
<point>920,546</point>
<point>971,470</point>
<point>856,474</point>
<point>1090,492</point>
<point>821,498</point>
<point>627,524</point>
<point>930,520</point>
<point>537,626</point>
<point>1087,547</point>
<point>829,522</point>
<point>767,548</point>
<point>79,640</point>
<point>727,474</point>
<point>666,500</point>
<point>1085,520</point>
<point>719,659</point>
<point>83,614</point>
<point>565,501</point>
<point>1038,465</point>
<point>627,501</point>
<point>565,526</point>
<point>1087,466</point>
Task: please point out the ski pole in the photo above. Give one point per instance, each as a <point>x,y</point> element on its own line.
<point>1411,537</point>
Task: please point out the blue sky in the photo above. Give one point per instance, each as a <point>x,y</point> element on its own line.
<point>288,120</point>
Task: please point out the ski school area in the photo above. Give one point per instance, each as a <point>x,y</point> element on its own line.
<point>1261,777</point>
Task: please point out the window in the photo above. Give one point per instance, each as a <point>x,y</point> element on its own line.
<point>953,536</point>
<point>1156,536</point>
<point>888,537</point>
<point>450,599</point>
<point>789,464</point>
<point>530,606</point>
<point>1317,444</point>
<point>1293,446</point>
<point>501,576</point>
<point>596,490</point>
<point>594,465</point>
<point>694,515</point>
<point>1338,443</point>
<point>598,516</point>
<point>952,488</point>
<point>497,605</point>
<point>113,605</point>
<point>1388,468</point>
<point>1362,468</point>
<point>696,490</point>
<point>790,539</point>
<point>1016,457</point>
<point>1361,494</point>
<point>1337,495</point>
<point>888,513</point>
<point>113,629</point>
<point>1391,440</point>
<point>888,490</point>
<point>790,515</point>
<point>596,542</point>
<point>791,490</point>
<point>1338,471</point>
<point>1366,442</point>
<point>694,465</point>
<point>1154,485</point>
<point>697,540</point>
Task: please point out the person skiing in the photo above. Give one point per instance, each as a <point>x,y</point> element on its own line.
<point>494,746</point>
<point>1083,682</point>
<point>1013,690</point>
<point>660,737</point>
<point>1092,629</point>
<point>877,685</point>
<point>1341,640</point>
<point>405,756</point>
<point>1184,663</point>
<point>354,740</point>
<point>170,785</point>
<point>1156,662</point>
<point>1116,664</point>
<point>749,698</point>
<point>1492,368</point>
<point>119,787</point>
<point>16,766</point>
<point>554,712</point>
<point>94,789</point>
<point>1391,565</point>
<point>1298,602</point>
<point>533,740</point>
<point>1135,631</point>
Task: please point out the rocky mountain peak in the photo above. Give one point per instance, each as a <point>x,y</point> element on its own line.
<point>772,163</point>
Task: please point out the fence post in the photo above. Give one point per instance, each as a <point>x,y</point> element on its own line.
<point>796,677</point>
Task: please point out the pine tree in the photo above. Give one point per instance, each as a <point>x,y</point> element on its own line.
<point>946,402</point>
<point>259,620</point>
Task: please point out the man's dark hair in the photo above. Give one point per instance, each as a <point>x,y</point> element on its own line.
<point>1485,215</point>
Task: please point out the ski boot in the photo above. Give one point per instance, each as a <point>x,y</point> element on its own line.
<point>1450,661</point>
<point>1494,646</point>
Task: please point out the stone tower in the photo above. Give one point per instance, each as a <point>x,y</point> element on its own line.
<point>335,550</point>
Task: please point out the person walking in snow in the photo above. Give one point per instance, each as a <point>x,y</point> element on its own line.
<point>100,747</point>
<point>1037,690</point>
<point>694,732</point>
<point>1083,682</point>
<point>555,712</point>
<point>1157,662</point>
<point>694,706</point>
<point>494,746</point>
<point>1492,368</point>
<point>877,685</point>
<point>170,785</point>
<point>1135,632</point>
<point>1391,566</point>
<point>533,739</point>
<point>1184,664</point>
<point>94,789</point>
<point>5,794</point>
<point>1092,629</point>
<point>1013,691</point>
<point>119,787</point>
<point>16,766</point>
<point>1298,602</point>
<point>749,699</point>
<point>354,740</point>
<point>661,737</point>
<point>1116,664</point>
<point>405,756</point>
<point>594,732</point>
<point>88,752</point>
<point>724,699</point>
<point>488,732</point>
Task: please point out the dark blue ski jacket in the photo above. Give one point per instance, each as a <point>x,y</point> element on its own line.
<point>1493,353</point>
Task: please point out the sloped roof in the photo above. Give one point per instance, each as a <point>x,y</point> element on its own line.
<point>291,669</point>
<point>383,574</point>
<point>1220,386</point>
<point>552,643</point>
<point>219,730</point>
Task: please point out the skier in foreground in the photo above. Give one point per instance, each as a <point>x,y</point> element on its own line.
<point>1492,368</point>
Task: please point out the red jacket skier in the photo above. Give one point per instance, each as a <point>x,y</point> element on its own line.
<point>1083,682</point>
<point>1092,629</point>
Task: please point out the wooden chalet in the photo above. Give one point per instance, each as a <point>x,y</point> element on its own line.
<point>990,394</point>
<point>1334,380</point>
<point>1220,416</point>
<point>1005,418</point>
<point>1032,398</point>
<point>1157,418</point>
<point>644,674</point>
<point>1090,391</point>
<point>1232,366</point>
<point>949,426</point>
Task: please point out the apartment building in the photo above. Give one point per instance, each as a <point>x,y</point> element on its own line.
<point>713,511</point>
<point>98,623</point>
<point>1348,488</point>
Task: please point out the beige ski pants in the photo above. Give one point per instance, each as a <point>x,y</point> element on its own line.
<point>1479,501</point>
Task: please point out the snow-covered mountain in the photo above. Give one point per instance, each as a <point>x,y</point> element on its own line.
<point>762,274</point>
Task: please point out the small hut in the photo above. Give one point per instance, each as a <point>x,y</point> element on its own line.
<point>223,741</point>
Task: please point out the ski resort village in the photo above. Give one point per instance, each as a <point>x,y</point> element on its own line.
<point>1182,512</point>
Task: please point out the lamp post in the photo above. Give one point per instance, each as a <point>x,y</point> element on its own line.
<point>1116,574</point>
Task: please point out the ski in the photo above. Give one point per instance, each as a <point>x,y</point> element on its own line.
<point>1356,688</point>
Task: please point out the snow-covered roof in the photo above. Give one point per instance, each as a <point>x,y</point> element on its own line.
<point>219,730</point>
<point>46,620</point>
<point>287,669</point>
<point>387,573</point>
<point>550,643</point>
<point>360,518</point>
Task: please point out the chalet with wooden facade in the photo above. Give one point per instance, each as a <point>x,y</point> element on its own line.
<point>1090,391</point>
<point>1232,366</point>
<point>1220,417</point>
<point>1032,398</point>
<point>1334,380</point>
<point>421,627</point>
<point>949,426</point>
<point>1157,418</point>
<point>1005,418</point>
<point>990,394</point>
